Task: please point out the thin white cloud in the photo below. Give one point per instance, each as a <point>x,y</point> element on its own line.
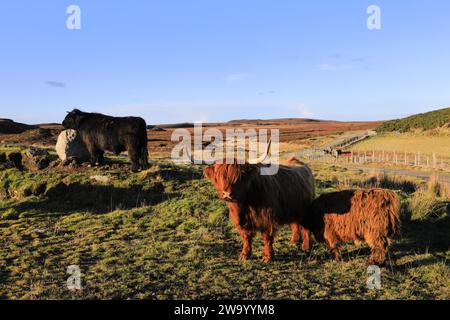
<point>304,111</point>
<point>352,63</point>
<point>330,67</point>
<point>237,77</point>
<point>327,67</point>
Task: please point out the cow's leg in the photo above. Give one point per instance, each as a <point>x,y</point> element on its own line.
<point>336,253</point>
<point>93,159</point>
<point>378,250</point>
<point>268,253</point>
<point>133,154</point>
<point>333,245</point>
<point>306,235</point>
<point>143,159</point>
<point>295,227</point>
<point>97,159</point>
<point>247,237</point>
<point>93,152</point>
<point>100,157</point>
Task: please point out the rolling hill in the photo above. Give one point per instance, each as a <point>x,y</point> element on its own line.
<point>8,126</point>
<point>425,121</point>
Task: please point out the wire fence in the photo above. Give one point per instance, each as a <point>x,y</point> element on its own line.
<point>417,159</point>
<point>348,140</point>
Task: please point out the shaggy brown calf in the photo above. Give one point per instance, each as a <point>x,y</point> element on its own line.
<point>264,203</point>
<point>356,215</point>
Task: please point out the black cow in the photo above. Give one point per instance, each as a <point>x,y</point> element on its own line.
<point>103,133</point>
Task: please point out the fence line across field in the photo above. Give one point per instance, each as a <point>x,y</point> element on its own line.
<point>416,159</point>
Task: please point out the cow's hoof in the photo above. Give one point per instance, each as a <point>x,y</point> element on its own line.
<point>244,256</point>
<point>336,256</point>
<point>380,264</point>
<point>305,247</point>
<point>358,243</point>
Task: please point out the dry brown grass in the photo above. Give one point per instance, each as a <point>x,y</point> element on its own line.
<point>431,201</point>
<point>377,179</point>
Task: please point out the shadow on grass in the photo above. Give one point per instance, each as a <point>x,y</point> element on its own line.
<point>425,237</point>
<point>387,182</point>
<point>66,199</point>
<point>4,275</point>
<point>418,238</point>
<point>143,189</point>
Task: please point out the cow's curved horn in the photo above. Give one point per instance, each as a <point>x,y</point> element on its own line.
<point>263,157</point>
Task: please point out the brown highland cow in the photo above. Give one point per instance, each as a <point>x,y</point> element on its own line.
<point>356,215</point>
<point>264,203</point>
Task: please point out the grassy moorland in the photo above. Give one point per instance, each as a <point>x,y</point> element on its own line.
<point>163,234</point>
<point>408,142</point>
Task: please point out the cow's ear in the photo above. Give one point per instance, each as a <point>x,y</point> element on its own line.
<point>77,119</point>
<point>209,172</point>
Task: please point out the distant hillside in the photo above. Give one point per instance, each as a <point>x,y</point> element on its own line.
<point>8,126</point>
<point>425,121</point>
<point>281,122</point>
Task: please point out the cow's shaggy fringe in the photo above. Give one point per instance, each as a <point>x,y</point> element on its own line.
<point>369,215</point>
<point>264,203</point>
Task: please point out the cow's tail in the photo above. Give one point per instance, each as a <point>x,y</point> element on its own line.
<point>393,214</point>
<point>144,152</point>
<point>144,147</point>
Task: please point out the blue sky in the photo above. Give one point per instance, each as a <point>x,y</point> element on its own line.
<point>215,60</point>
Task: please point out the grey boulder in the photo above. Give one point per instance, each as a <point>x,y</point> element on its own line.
<point>71,146</point>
